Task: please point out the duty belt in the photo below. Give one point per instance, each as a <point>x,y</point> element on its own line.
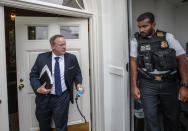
<point>158,77</point>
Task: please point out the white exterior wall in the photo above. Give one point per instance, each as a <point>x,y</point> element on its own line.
<point>4,125</point>
<point>163,11</point>
<point>165,17</point>
<point>139,7</point>
<point>181,27</point>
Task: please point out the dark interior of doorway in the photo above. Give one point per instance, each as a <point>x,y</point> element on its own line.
<point>171,16</point>
<point>11,66</point>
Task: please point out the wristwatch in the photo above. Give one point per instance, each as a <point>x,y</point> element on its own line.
<point>184,84</point>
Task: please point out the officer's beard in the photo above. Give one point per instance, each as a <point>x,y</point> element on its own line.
<point>149,33</point>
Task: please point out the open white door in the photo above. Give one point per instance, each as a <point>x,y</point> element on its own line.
<point>32,34</point>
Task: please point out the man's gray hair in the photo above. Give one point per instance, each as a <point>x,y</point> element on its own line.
<point>53,38</point>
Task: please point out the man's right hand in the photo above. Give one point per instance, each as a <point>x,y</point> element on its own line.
<point>136,92</point>
<point>43,90</point>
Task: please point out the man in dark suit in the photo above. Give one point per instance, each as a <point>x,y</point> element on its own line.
<point>65,70</point>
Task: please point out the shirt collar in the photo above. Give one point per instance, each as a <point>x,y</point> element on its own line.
<point>61,56</point>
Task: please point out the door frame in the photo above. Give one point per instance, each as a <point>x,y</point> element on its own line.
<point>130,32</point>
<point>3,77</point>
<point>96,94</point>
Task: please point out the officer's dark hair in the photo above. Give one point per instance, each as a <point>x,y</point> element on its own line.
<point>53,38</point>
<point>148,15</point>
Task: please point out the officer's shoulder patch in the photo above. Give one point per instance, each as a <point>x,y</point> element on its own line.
<point>160,34</point>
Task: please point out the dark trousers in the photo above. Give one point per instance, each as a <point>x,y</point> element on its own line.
<point>48,106</point>
<point>160,98</point>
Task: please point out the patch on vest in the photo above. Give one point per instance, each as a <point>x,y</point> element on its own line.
<point>145,48</point>
<point>160,34</point>
<point>164,44</point>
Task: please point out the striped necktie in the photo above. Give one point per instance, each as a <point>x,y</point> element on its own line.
<point>57,76</point>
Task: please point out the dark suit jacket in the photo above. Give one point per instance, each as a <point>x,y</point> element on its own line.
<point>72,71</point>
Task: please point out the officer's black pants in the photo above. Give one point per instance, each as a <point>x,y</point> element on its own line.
<point>160,97</point>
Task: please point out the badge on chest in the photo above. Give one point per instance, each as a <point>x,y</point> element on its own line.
<point>164,44</point>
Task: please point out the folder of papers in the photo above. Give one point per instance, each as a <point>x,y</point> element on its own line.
<point>45,76</point>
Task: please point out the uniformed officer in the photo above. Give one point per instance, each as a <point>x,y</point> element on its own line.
<point>156,59</point>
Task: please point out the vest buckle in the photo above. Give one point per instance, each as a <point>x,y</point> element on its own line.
<point>158,78</point>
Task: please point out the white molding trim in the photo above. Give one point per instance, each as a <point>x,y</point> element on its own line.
<point>128,5</point>
<point>116,70</point>
<point>35,5</point>
<point>97,94</point>
<point>97,112</point>
<point>4,122</point>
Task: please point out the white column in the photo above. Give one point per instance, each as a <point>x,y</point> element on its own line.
<point>4,123</point>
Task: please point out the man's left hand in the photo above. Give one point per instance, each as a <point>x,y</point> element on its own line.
<point>183,94</point>
<point>80,86</point>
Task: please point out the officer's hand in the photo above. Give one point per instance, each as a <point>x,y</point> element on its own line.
<point>136,92</point>
<point>43,90</point>
<point>183,94</point>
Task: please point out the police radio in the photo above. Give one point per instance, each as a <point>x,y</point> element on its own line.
<point>147,62</point>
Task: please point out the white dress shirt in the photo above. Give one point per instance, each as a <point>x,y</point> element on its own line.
<point>62,69</point>
<point>173,43</point>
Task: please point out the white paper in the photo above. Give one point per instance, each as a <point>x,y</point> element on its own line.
<point>45,68</point>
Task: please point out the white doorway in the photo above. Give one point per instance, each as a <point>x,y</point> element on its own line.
<point>32,34</point>
<point>77,43</point>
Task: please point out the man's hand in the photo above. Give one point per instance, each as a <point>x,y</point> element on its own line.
<point>43,90</point>
<point>80,86</point>
<point>183,94</point>
<point>136,92</point>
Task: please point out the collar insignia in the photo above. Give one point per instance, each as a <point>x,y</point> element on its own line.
<point>160,34</point>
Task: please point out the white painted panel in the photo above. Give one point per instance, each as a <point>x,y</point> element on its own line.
<point>117,103</point>
<point>34,123</point>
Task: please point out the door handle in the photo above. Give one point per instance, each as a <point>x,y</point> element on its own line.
<point>127,66</point>
<point>21,80</point>
<point>21,86</point>
<point>0,101</point>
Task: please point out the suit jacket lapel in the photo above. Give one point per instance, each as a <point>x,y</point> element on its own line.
<point>65,61</point>
<point>66,69</point>
<point>49,61</point>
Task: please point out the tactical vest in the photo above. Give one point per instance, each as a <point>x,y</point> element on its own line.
<point>154,53</point>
